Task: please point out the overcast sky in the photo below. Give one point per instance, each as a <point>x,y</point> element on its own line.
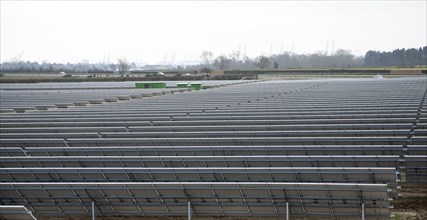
<point>167,31</point>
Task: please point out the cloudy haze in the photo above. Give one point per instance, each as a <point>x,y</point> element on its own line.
<point>178,31</point>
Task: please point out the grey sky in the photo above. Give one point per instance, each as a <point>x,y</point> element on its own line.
<point>154,32</point>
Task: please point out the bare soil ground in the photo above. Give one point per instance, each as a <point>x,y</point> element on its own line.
<point>412,203</point>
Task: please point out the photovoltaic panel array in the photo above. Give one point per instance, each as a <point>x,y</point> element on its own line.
<point>324,147</point>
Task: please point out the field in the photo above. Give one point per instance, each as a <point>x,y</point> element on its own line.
<point>326,148</point>
<point>265,74</point>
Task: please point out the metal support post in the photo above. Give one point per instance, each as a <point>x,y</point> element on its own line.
<point>189,210</point>
<point>287,210</point>
<point>93,211</point>
<point>363,211</point>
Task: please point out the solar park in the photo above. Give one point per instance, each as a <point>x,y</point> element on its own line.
<point>332,148</point>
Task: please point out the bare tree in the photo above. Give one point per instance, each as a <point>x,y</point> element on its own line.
<point>262,62</point>
<point>343,58</point>
<point>222,62</point>
<point>123,66</point>
<point>207,57</point>
<point>113,67</point>
<point>235,56</point>
<point>276,64</point>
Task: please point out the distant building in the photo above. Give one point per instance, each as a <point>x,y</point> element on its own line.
<point>157,67</point>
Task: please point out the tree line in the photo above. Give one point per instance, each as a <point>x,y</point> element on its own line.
<point>237,61</point>
<point>399,57</point>
<point>46,67</point>
<point>340,59</point>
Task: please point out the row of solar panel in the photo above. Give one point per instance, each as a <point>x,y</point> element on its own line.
<point>248,150</point>
<point>248,122</point>
<point>198,174</point>
<point>411,162</point>
<point>232,110</point>
<point>415,166</point>
<point>219,134</point>
<point>207,161</point>
<point>137,110</point>
<point>220,116</point>
<point>207,198</point>
<point>17,99</point>
<point>211,141</point>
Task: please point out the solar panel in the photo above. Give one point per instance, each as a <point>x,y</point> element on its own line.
<point>202,174</point>
<point>204,161</point>
<point>325,148</point>
<point>15,212</point>
<point>207,198</point>
<point>214,150</point>
<point>237,141</point>
<point>416,168</point>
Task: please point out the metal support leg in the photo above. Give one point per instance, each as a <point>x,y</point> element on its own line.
<point>189,210</point>
<point>363,211</point>
<point>287,210</point>
<point>93,211</point>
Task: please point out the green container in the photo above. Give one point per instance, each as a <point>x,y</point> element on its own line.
<point>197,86</point>
<point>182,85</point>
<point>150,85</point>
